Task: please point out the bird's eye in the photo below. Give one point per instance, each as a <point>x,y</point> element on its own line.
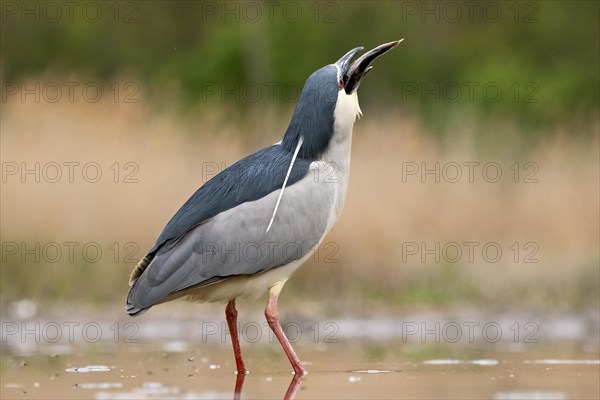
<point>341,83</point>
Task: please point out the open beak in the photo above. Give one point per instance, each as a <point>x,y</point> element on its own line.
<point>352,74</point>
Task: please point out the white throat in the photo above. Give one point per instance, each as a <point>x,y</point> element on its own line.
<point>345,113</point>
<point>346,110</point>
<point>336,160</point>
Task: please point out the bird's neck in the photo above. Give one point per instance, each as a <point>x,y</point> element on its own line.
<point>344,116</point>
<point>320,122</point>
<point>346,111</point>
<point>336,158</point>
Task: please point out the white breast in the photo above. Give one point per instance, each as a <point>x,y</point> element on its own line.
<point>334,166</point>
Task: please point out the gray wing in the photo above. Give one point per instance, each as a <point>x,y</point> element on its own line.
<point>249,179</point>
<point>235,242</point>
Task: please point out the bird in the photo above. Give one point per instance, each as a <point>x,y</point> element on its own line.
<point>250,227</point>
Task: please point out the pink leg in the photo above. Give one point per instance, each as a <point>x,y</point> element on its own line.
<point>231,314</point>
<point>273,319</point>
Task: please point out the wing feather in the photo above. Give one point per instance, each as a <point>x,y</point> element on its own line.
<point>224,235</point>
<point>247,180</point>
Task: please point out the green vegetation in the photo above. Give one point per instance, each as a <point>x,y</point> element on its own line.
<point>536,62</point>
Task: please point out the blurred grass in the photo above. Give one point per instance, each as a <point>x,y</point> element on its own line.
<point>181,46</point>
<point>560,213</point>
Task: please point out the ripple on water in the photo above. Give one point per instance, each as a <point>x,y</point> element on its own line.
<point>371,371</point>
<point>563,362</point>
<point>530,395</point>
<point>158,390</point>
<point>90,368</point>
<point>101,385</point>
<point>455,362</point>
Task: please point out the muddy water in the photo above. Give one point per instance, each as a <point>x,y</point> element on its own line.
<point>425,356</point>
<point>345,370</point>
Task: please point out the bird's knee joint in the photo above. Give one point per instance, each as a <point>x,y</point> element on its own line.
<point>272,316</point>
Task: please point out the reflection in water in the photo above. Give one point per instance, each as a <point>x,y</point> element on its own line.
<point>294,386</point>
<point>150,390</point>
<point>552,370</point>
<point>289,394</point>
<point>239,384</point>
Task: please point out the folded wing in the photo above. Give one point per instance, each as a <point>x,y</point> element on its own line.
<point>220,232</point>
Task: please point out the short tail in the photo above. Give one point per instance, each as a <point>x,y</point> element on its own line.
<point>135,274</point>
<point>134,311</point>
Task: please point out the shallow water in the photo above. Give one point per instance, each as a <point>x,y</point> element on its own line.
<point>427,356</point>
<point>356,369</point>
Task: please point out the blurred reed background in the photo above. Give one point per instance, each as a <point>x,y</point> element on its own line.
<point>179,100</point>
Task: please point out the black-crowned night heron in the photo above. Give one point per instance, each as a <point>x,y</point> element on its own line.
<point>251,226</point>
